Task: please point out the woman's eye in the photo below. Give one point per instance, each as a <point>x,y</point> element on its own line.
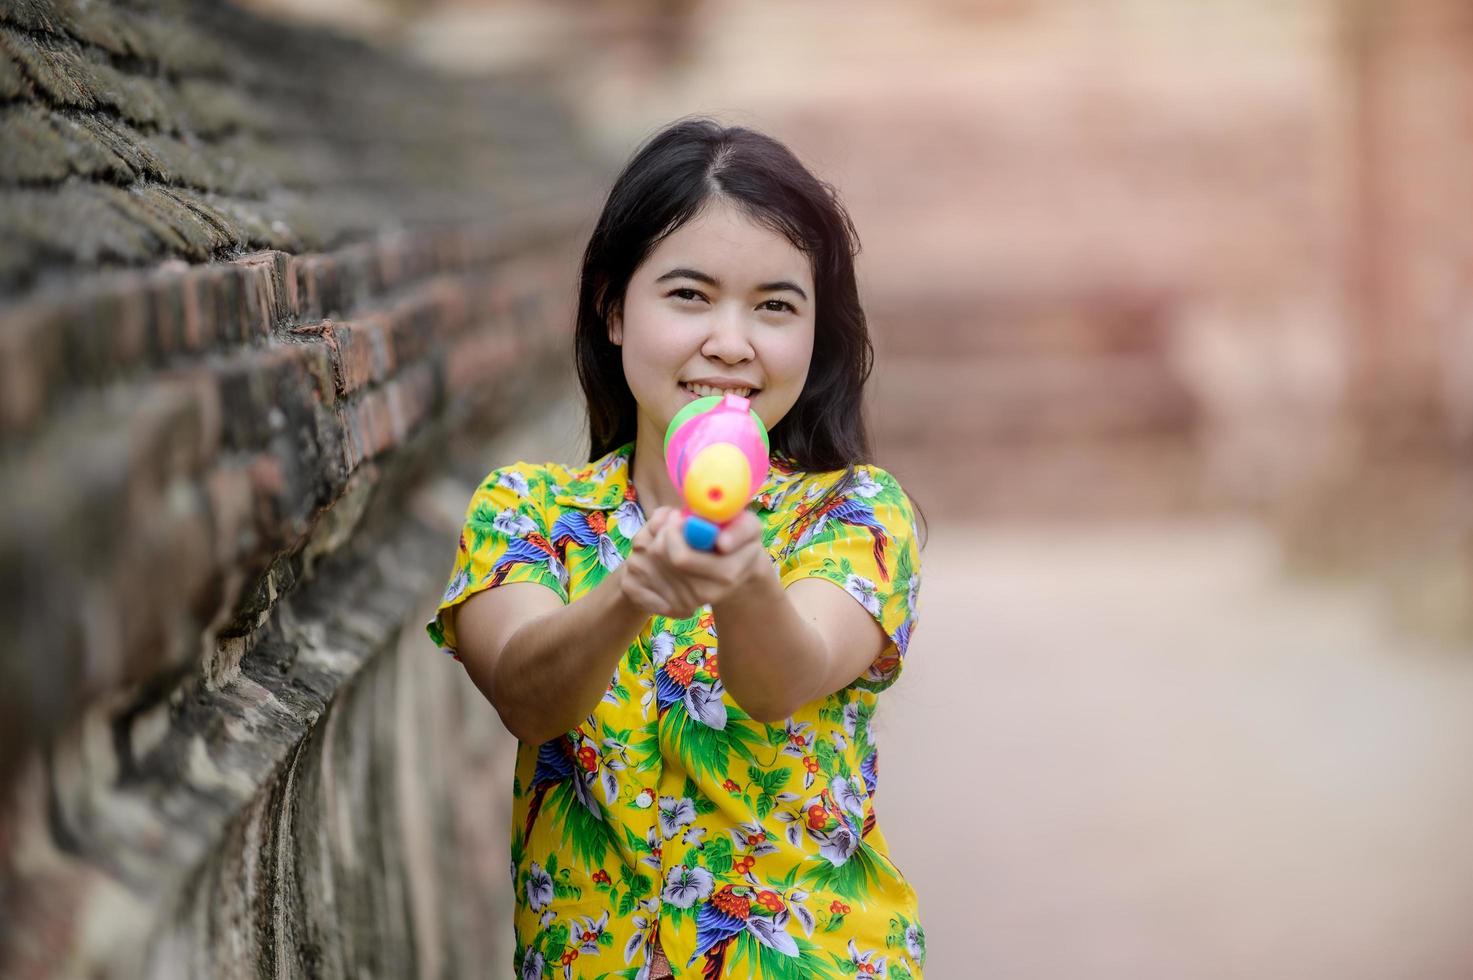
<point>685,293</point>
<point>778,305</point>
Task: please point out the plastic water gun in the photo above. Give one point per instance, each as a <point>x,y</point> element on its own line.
<point>716,452</point>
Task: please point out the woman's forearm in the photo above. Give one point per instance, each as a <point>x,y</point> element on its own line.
<point>553,670</point>
<point>773,660</point>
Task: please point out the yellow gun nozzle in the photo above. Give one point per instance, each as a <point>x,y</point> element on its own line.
<point>717,482</point>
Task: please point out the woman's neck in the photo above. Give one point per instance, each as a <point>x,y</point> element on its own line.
<point>651,480</point>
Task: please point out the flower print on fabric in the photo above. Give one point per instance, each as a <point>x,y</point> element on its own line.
<point>749,849</point>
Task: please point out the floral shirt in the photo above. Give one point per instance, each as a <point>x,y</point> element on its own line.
<point>750,849</point>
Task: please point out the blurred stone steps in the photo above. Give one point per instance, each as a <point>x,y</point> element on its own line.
<point>1020,400</point>
<point>1118,479</point>
<point>1048,406</point>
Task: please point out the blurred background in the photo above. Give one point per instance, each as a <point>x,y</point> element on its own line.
<point>1173,311</point>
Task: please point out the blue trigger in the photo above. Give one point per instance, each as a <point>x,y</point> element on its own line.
<point>700,533</point>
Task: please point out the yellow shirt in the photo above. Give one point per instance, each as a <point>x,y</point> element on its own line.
<point>752,849</point>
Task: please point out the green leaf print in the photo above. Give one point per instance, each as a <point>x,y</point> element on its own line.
<point>481,524</point>
<point>585,567</point>
<point>854,879</point>
<point>703,749</point>
<point>554,941</point>
<point>675,915</point>
<point>588,835</point>
<point>769,535</point>
<point>683,629</point>
<point>636,843</point>
<point>637,882</point>
<point>580,488</point>
<point>717,856</point>
<point>903,570</point>
<point>770,964</point>
<point>823,750</point>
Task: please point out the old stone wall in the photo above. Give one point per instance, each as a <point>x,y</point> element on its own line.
<point>265,296</point>
<point>1392,499</point>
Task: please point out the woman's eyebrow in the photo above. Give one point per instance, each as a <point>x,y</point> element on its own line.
<point>698,276</point>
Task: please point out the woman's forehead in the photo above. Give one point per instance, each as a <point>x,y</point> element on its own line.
<point>731,247</point>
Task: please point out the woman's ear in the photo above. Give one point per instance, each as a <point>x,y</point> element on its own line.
<point>616,326</point>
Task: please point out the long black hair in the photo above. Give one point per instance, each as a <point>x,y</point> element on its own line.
<point>666,183</point>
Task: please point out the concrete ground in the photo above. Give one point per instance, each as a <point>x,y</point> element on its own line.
<point>1142,752</point>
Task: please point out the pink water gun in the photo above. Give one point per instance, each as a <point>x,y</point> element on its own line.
<point>716,452</point>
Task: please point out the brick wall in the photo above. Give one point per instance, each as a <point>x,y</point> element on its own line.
<point>263,292</point>
<point>1393,500</point>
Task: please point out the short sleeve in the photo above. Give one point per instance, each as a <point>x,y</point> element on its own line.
<point>504,539</point>
<point>864,541</point>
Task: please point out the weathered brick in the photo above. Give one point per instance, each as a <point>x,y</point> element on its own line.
<point>358,271</point>
<point>165,334</point>
<point>167,564</point>
<point>198,327</point>
<point>265,290</point>
<point>318,287</point>
<point>411,399</point>
<point>231,312</point>
<point>358,359</point>
<point>357,351</point>
<point>477,359</point>
<point>231,505</point>
<point>390,252</point>
<point>296,287</point>
<point>30,358</point>
<point>372,429</point>
<point>174,425</point>
<point>267,390</point>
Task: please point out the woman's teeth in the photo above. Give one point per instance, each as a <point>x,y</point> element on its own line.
<point>705,391</point>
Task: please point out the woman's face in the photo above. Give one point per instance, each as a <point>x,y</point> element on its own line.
<point>722,304</point>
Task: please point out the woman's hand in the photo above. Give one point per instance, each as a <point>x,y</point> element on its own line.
<point>664,576</point>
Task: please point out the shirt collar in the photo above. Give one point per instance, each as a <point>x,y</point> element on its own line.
<point>604,484</point>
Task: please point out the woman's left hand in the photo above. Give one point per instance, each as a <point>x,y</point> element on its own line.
<point>694,578</point>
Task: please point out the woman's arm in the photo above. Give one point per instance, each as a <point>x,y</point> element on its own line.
<point>779,648</point>
<point>784,647</point>
<point>544,665</point>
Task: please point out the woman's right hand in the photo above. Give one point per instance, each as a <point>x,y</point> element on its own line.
<point>647,581</point>
<point>664,576</point>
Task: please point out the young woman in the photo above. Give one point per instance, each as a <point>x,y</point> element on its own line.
<point>675,815</point>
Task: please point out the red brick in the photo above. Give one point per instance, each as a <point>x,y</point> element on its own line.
<point>166,564</point>
<point>30,359</point>
<point>265,292</point>
<point>317,282</point>
<point>370,427</point>
<point>166,320</point>
<point>129,333</point>
<point>477,359</point>
<point>357,352</point>
<point>173,427</point>
<point>388,254</point>
<point>295,298</point>
<point>198,331</point>
<point>359,355</point>
<point>229,491</point>
<point>226,295</point>
<point>410,398</point>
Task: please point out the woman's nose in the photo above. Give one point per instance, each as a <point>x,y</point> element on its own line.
<point>728,340</point>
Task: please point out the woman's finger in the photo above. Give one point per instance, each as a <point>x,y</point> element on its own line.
<point>744,529</point>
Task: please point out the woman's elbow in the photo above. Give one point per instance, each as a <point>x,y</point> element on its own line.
<point>769,709</point>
